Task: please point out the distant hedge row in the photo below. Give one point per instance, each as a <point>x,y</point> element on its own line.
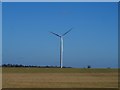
<point>20,65</point>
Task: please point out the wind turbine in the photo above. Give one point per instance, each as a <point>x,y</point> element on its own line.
<point>61,45</point>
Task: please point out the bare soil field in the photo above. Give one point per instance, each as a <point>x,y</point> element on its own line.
<point>59,78</point>
<point>0,78</point>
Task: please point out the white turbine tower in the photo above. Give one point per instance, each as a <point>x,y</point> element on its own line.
<point>61,45</point>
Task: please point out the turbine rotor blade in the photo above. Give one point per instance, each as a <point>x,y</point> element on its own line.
<point>67,32</point>
<point>55,34</point>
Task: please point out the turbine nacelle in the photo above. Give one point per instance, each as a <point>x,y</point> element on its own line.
<point>62,34</point>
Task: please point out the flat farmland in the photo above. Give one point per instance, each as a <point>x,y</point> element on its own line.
<point>59,78</point>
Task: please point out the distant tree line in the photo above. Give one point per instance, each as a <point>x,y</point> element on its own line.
<point>20,65</point>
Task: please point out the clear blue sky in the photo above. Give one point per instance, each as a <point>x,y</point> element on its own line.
<point>93,40</point>
<point>0,33</point>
